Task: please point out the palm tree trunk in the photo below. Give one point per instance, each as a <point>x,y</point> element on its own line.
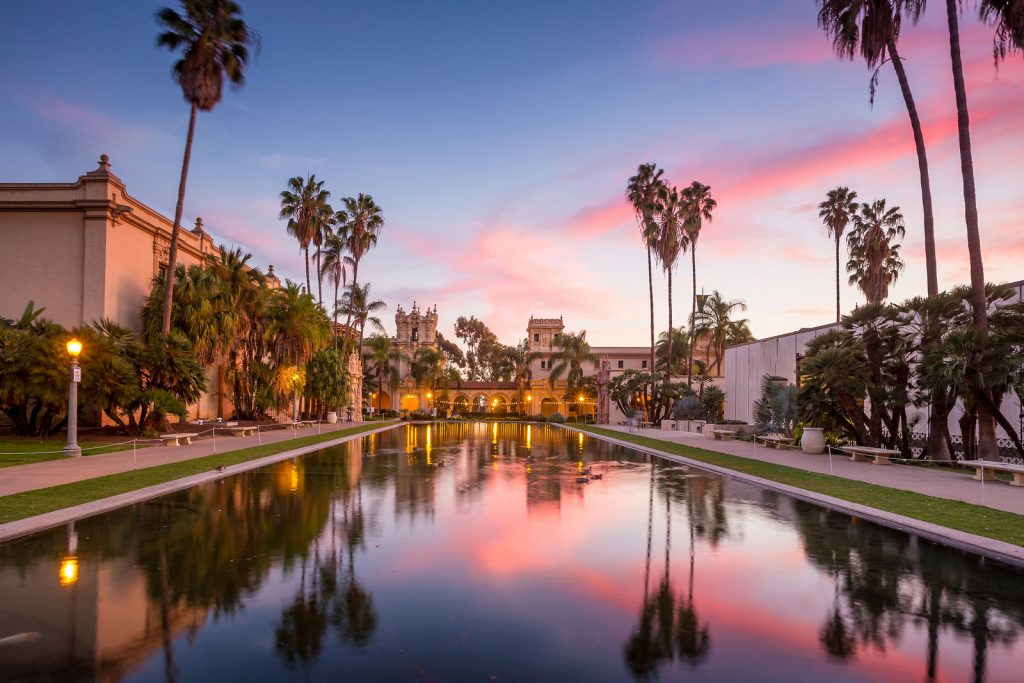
<point>319,279</point>
<point>987,447</point>
<point>352,289</point>
<point>172,254</point>
<point>922,166</point>
<point>309,284</point>
<point>668,358</point>
<point>978,301</point>
<point>650,290</point>
<point>335,310</point>
<point>838,315</point>
<point>693,314</point>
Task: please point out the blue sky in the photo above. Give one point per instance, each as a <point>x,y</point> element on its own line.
<point>498,138</point>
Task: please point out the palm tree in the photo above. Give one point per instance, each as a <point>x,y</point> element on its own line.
<point>303,204</point>
<point>642,192</point>
<point>875,261</point>
<point>214,44</point>
<point>522,359</point>
<point>298,327</point>
<point>667,234</point>
<point>872,27</point>
<point>835,212</point>
<point>1008,18</point>
<point>382,357</point>
<point>357,305</point>
<point>363,221</point>
<point>335,260</point>
<point>574,351</point>
<point>715,321</point>
<point>676,345</point>
<point>323,227</point>
<point>698,207</point>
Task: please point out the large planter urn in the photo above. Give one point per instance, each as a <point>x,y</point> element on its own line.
<point>813,440</point>
<point>332,417</point>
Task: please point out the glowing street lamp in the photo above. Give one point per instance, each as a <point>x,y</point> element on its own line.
<point>71,448</point>
<point>295,397</point>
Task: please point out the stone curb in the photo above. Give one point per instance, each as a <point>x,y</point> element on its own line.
<point>31,525</point>
<point>1007,553</point>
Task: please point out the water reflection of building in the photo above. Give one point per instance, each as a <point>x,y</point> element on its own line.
<point>101,626</point>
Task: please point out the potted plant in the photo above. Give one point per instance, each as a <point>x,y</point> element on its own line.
<point>812,440</point>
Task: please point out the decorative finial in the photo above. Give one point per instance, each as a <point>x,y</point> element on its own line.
<point>270,269</point>
<point>199,223</point>
<point>104,160</point>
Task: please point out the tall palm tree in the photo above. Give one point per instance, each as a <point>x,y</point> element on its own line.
<point>872,28</point>
<point>363,221</point>
<point>875,261</point>
<point>336,259</point>
<point>698,207</point>
<point>359,308</point>
<point>715,321</point>
<point>669,239</point>
<point>323,227</point>
<point>1008,18</point>
<point>521,358</point>
<point>573,352</point>
<point>214,44</point>
<point>642,192</point>
<point>836,212</point>
<point>303,203</point>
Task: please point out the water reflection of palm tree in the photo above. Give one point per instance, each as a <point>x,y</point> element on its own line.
<point>669,626</point>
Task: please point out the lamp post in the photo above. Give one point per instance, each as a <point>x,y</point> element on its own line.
<point>295,397</point>
<point>71,448</point>
<point>529,400</point>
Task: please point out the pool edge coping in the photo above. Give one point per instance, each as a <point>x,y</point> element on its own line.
<point>990,548</point>
<point>30,525</point>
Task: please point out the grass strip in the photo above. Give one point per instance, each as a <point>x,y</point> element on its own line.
<point>25,451</point>
<point>30,503</point>
<point>953,514</point>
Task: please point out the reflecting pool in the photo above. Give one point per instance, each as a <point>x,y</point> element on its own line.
<point>470,552</point>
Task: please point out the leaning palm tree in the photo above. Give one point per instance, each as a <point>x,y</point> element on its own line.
<point>875,261</point>
<point>698,207</point>
<point>363,221</point>
<point>836,212</point>
<point>573,352</point>
<point>1008,18</point>
<point>872,28</point>
<point>214,43</point>
<point>642,191</point>
<point>336,259</point>
<point>666,233</point>
<point>303,204</point>
<point>360,309</point>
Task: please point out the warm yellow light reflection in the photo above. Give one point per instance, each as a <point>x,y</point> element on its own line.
<point>69,571</point>
<point>293,478</point>
<point>429,429</point>
<point>581,442</point>
<point>74,348</point>
<point>529,435</point>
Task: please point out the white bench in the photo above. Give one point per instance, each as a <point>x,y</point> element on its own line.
<point>986,469</point>
<point>776,442</point>
<point>175,439</point>
<point>723,434</point>
<point>862,453</point>
<point>241,431</point>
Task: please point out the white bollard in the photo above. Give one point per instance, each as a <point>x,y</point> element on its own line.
<point>259,437</point>
<point>830,471</point>
<point>214,430</point>
<point>981,471</point>
<point>134,461</point>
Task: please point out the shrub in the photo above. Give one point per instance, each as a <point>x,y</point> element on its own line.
<point>557,417</point>
<point>712,404</point>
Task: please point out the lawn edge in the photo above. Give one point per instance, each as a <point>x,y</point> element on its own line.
<point>30,525</point>
<point>1001,551</point>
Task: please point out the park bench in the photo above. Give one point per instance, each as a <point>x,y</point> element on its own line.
<point>241,431</point>
<point>175,439</point>
<point>776,442</point>
<point>986,469</point>
<point>723,434</point>
<point>309,423</point>
<point>862,453</point>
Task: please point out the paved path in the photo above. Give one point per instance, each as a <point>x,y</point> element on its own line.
<point>40,475</point>
<point>933,482</point>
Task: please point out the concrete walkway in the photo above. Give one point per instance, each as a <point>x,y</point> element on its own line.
<point>940,483</point>
<point>41,475</point>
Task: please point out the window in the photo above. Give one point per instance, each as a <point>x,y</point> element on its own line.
<point>643,364</point>
<point>161,271</point>
<point>536,337</point>
<point>543,364</point>
<point>621,363</point>
<point>415,334</point>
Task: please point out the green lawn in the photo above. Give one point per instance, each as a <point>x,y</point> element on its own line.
<point>974,519</point>
<point>25,451</point>
<point>31,503</point>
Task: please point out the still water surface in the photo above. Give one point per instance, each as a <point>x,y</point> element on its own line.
<point>469,552</point>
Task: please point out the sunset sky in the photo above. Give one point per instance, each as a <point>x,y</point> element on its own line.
<point>498,138</point>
